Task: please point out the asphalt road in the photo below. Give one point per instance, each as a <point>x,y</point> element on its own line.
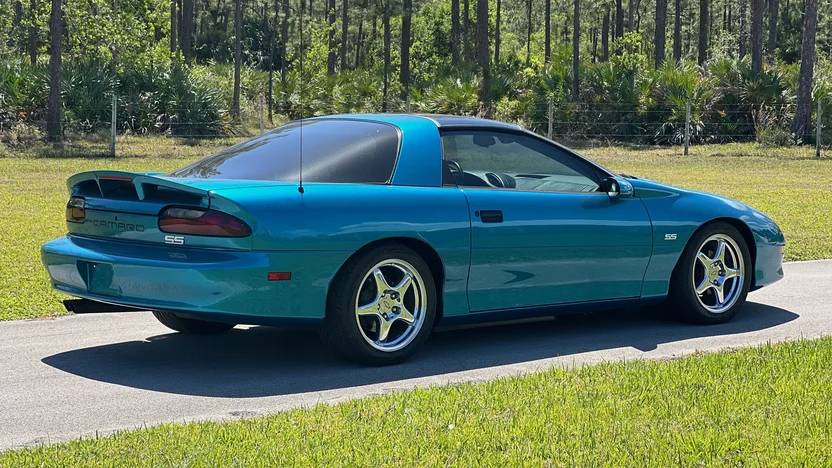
<point>82,375</point>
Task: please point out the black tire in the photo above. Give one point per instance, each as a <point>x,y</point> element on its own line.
<point>341,330</point>
<point>191,326</point>
<point>683,298</point>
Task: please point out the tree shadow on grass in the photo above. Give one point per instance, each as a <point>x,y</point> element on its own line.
<point>262,361</point>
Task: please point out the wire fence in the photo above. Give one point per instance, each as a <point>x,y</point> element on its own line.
<point>586,124</point>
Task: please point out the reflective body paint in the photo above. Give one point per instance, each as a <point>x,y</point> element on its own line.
<point>554,252</point>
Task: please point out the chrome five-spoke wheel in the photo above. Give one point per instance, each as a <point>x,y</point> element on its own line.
<point>718,273</point>
<point>712,277</point>
<point>381,305</point>
<point>390,306</point>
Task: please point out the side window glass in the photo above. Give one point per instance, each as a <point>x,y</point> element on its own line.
<point>511,161</point>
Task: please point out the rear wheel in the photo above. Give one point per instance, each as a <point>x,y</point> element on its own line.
<point>381,307</point>
<point>712,279</point>
<point>191,326</point>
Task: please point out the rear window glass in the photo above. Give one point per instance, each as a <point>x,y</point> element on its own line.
<point>341,151</point>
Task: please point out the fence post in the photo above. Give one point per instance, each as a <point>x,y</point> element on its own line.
<point>407,103</point>
<point>687,127</point>
<point>261,113</point>
<point>817,138</point>
<point>113,125</point>
<point>551,118</point>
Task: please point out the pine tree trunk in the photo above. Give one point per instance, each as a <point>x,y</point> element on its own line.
<point>605,36</point>
<point>497,33</point>
<point>711,23</point>
<point>757,10</point>
<point>703,32</point>
<point>53,104</point>
<point>594,34</point>
<point>803,116</point>
<point>629,22</point>
<point>743,36</point>
<point>547,27</point>
<point>661,31</point>
<point>284,49</point>
<point>404,71</point>
<point>566,34</point>
<point>179,22</point>
<point>238,56</point>
<point>33,32</point>
<point>455,33</point>
<point>386,66</point>
<point>360,38</point>
<point>773,11</point>
<point>576,55</point>
<point>677,32</point>
<point>466,31</point>
<point>529,33</point>
<point>186,28</point>
<point>330,22</point>
<point>730,27</point>
<point>173,28</point>
<point>619,19</point>
<point>272,50</point>
<point>484,56</point>
<point>17,17</point>
<point>638,16</point>
<point>344,31</point>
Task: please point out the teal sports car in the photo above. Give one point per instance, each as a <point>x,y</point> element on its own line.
<point>376,228</point>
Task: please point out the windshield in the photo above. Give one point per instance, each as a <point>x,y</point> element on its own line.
<point>340,151</point>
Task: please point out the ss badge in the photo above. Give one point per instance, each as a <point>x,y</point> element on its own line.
<point>669,237</point>
<point>175,240</point>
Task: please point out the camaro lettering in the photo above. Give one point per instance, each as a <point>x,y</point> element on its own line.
<point>117,226</point>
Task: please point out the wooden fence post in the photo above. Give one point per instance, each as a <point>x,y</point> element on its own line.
<point>113,116</point>
<point>687,127</point>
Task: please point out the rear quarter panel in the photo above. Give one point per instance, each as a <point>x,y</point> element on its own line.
<point>329,222</point>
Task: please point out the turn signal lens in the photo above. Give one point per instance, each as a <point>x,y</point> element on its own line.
<point>202,223</point>
<point>75,212</point>
<point>279,275</point>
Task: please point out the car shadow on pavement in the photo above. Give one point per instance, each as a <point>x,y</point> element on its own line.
<point>262,361</point>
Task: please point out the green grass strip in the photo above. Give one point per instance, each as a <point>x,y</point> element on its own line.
<point>765,406</point>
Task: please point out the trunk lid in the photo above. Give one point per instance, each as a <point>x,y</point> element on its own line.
<point>125,206</point>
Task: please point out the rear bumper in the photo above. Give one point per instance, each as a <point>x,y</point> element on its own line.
<point>768,267</point>
<point>204,283</point>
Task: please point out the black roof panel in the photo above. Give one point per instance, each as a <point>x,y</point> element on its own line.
<point>455,121</point>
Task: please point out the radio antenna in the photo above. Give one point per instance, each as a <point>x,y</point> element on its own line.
<point>300,131</point>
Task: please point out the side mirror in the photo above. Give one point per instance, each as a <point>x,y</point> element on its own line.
<point>617,187</point>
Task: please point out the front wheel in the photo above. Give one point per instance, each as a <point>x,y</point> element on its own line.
<point>191,326</point>
<point>381,307</point>
<point>712,279</point>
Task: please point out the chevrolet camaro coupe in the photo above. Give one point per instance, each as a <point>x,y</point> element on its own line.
<point>376,228</point>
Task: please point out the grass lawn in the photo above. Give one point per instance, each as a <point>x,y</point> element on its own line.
<point>767,406</point>
<point>789,184</point>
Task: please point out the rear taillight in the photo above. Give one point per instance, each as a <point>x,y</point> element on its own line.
<point>202,223</point>
<point>75,210</point>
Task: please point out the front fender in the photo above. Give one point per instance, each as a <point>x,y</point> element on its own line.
<point>677,213</point>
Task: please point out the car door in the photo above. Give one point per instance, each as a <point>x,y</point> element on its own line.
<point>543,232</point>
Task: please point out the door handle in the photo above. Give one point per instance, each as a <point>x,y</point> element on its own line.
<point>491,216</point>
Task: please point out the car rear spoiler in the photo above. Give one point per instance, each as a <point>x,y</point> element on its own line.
<point>102,183</point>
